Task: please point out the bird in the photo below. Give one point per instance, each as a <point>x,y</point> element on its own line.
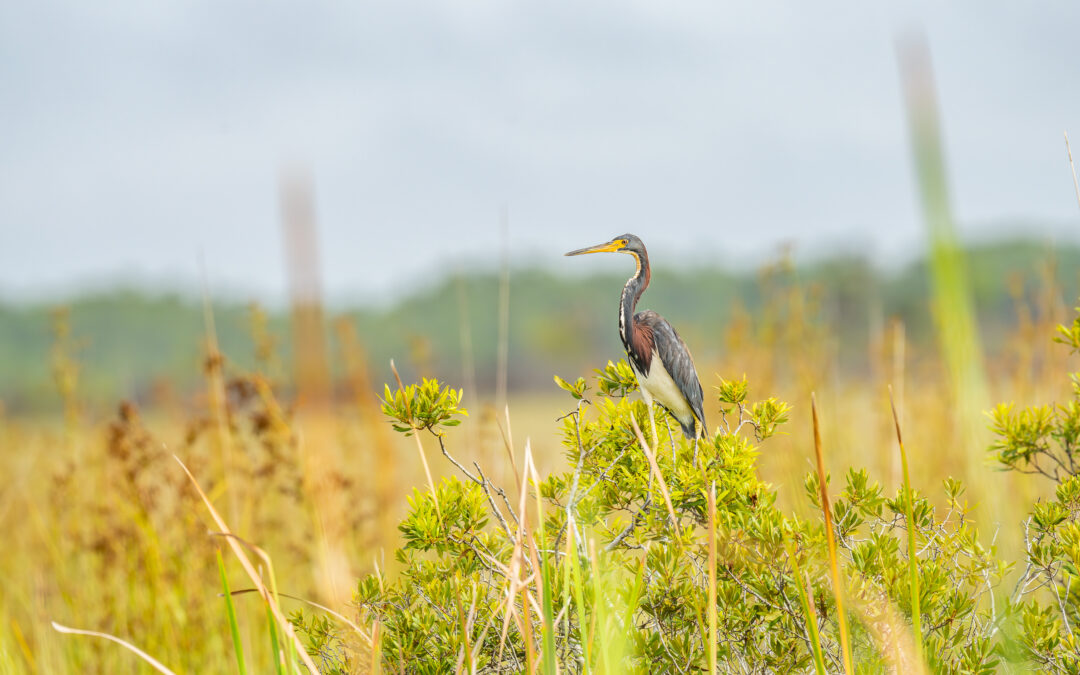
<point>658,356</point>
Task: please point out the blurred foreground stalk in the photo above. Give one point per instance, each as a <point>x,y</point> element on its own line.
<point>953,308</point>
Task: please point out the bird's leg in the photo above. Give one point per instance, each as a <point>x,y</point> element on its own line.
<point>696,453</point>
<point>670,437</point>
<point>647,397</point>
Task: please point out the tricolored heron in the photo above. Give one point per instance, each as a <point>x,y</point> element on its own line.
<point>658,356</point>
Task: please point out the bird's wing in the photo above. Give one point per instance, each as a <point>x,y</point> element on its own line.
<point>676,358</point>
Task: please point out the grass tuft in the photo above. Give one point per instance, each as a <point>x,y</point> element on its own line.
<point>256,578</point>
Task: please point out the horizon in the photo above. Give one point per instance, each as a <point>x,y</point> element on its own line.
<point>191,289</point>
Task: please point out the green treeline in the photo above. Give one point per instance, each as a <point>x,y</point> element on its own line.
<point>136,345</point>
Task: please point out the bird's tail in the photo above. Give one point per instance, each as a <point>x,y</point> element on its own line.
<point>690,430</point>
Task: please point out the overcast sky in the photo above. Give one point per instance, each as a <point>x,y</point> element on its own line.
<point>136,134</point>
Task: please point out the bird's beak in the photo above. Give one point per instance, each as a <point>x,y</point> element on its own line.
<point>611,246</point>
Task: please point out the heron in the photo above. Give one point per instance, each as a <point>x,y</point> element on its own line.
<point>658,356</point>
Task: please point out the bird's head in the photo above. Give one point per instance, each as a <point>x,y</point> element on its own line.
<point>624,243</point>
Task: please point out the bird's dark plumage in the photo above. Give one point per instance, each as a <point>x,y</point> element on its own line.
<point>676,358</point>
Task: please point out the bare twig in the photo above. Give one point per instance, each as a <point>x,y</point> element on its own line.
<point>629,529</point>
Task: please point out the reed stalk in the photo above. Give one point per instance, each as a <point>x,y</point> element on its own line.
<point>913,558</point>
<point>830,537</point>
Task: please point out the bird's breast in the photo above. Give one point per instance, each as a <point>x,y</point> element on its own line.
<point>640,345</point>
<point>659,384</point>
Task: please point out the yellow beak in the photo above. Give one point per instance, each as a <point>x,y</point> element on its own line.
<point>610,247</point>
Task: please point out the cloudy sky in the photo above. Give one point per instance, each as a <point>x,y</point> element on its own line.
<point>137,134</point>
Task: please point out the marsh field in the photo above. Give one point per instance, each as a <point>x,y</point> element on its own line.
<point>322,493</point>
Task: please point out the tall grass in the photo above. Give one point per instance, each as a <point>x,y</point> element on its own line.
<point>830,538</point>
<point>269,594</point>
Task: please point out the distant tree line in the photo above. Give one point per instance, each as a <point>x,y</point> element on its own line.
<point>149,347</point>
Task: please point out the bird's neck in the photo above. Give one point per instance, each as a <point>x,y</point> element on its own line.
<point>631,293</point>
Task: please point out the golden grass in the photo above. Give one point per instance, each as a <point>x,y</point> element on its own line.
<point>80,553</point>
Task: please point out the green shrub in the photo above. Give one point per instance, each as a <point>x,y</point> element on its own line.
<point>588,570</point>
<point>604,567</point>
<point>1044,440</point>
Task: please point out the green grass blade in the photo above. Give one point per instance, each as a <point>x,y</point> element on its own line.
<point>231,610</point>
<point>548,656</point>
<point>712,578</point>
<point>609,640</point>
<point>913,558</point>
<point>575,583</point>
<point>808,607</point>
<point>272,626</point>
<point>459,605</point>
